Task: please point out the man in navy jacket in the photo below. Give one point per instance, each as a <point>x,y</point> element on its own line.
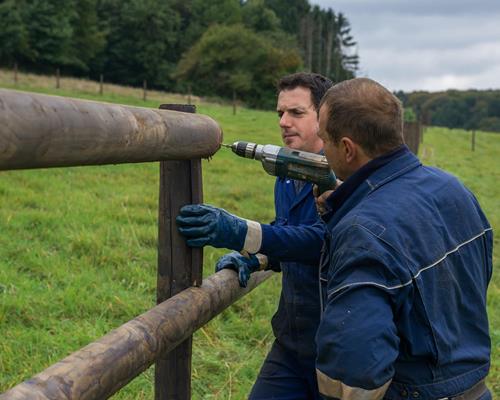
<point>406,265</point>
<point>292,244</point>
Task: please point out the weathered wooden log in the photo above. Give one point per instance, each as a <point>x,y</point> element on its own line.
<point>39,131</point>
<point>100,369</point>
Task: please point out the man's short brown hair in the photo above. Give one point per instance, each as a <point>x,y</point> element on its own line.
<point>316,83</point>
<point>367,113</point>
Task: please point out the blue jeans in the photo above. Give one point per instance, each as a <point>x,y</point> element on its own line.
<point>285,377</point>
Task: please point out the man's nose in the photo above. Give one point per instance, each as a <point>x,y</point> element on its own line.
<point>285,120</point>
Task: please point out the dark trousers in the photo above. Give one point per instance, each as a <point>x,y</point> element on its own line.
<point>285,377</point>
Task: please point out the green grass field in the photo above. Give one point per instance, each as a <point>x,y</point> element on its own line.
<point>78,250</point>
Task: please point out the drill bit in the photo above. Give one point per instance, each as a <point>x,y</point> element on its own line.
<point>226,145</point>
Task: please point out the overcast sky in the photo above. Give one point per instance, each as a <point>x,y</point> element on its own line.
<point>426,44</point>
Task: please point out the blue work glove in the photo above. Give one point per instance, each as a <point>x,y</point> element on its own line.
<point>203,225</point>
<point>244,266</point>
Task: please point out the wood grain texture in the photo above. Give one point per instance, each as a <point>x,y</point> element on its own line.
<point>412,133</point>
<point>40,131</point>
<point>179,266</point>
<point>100,369</point>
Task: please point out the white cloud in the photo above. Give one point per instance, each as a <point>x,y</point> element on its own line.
<point>474,66</point>
<point>431,45</point>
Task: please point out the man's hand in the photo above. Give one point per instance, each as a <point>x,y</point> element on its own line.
<point>203,225</point>
<point>243,265</point>
<point>320,199</point>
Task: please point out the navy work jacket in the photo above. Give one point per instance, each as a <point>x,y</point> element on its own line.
<point>406,265</point>
<point>293,242</point>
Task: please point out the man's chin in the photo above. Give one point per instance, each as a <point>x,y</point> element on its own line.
<point>292,142</point>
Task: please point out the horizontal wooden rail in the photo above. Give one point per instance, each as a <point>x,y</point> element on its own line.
<point>40,131</point>
<point>100,369</point>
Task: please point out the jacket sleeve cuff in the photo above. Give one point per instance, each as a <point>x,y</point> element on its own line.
<point>267,238</point>
<point>273,264</point>
<point>253,239</point>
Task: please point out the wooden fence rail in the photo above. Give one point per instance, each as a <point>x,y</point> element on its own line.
<point>38,131</point>
<point>100,369</point>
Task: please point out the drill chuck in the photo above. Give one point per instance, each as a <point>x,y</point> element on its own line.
<point>244,149</point>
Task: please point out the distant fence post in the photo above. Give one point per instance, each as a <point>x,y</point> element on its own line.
<point>101,84</point>
<point>189,94</point>
<point>234,102</point>
<point>473,140</point>
<point>412,132</point>
<point>58,85</point>
<point>144,89</point>
<point>179,266</point>
<point>15,73</point>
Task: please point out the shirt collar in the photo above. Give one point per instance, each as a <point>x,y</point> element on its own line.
<point>342,193</point>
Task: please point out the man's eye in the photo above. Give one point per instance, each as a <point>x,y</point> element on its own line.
<point>280,114</point>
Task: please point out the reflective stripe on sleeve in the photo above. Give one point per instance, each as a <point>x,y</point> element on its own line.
<point>253,239</point>
<point>333,388</point>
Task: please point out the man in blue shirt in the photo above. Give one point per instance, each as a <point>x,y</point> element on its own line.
<point>292,244</point>
<point>406,265</point>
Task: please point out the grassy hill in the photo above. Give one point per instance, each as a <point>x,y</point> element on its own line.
<point>78,247</point>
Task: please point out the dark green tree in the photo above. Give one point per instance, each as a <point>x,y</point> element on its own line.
<point>207,13</point>
<point>141,42</point>
<point>346,60</point>
<point>259,18</point>
<point>50,33</point>
<point>230,59</point>
<point>476,111</point>
<point>290,13</point>
<point>89,37</point>
<point>446,110</point>
<point>470,109</point>
<point>327,44</point>
<point>263,21</point>
<point>489,124</point>
<point>13,33</point>
<point>135,40</point>
<point>493,99</point>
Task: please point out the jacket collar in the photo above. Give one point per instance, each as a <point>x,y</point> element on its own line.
<point>368,178</point>
<point>295,198</point>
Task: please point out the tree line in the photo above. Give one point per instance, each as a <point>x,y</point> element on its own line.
<point>217,47</point>
<point>466,109</point>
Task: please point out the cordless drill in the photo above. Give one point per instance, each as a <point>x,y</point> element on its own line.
<point>289,163</point>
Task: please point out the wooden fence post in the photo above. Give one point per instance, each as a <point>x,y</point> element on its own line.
<point>101,84</point>
<point>58,85</point>
<point>15,73</point>
<point>473,139</point>
<point>234,102</point>
<point>144,89</point>
<point>411,134</point>
<point>178,265</point>
<point>189,94</point>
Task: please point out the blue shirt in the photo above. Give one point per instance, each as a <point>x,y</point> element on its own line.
<point>293,242</point>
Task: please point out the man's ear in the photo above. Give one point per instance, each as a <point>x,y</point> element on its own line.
<point>349,148</point>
